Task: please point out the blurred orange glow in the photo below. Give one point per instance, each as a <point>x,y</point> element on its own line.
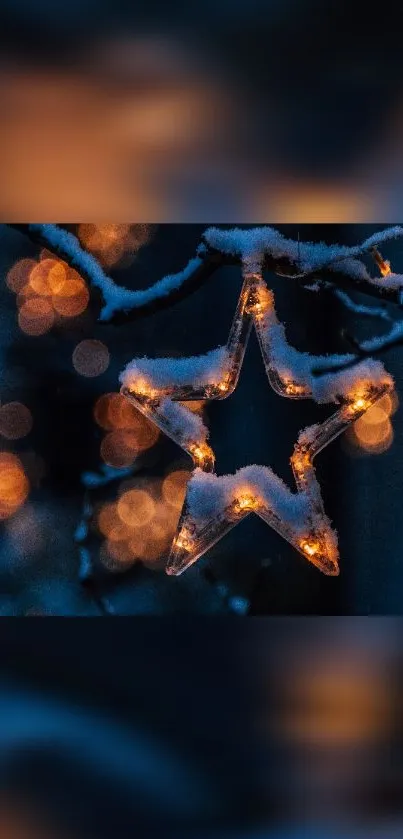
<point>45,289</point>
<point>18,275</point>
<point>114,412</point>
<point>73,295</point>
<point>111,525</point>
<point>47,276</point>
<point>14,486</point>
<point>91,358</point>
<point>15,420</point>
<point>374,438</point>
<point>36,316</point>
<point>137,526</point>
<point>115,555</point>
<point>197,406</point>
<point>325,203</point>
<point>121,413</point>
<point>373,431</point>
<point>111,242</point>
<point>119,448</point>
<point>174,488</point>
<point>136,508</point>
<point>337,706</point>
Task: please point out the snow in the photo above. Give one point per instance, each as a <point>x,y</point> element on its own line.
<point>117,298</point>
<point>209,494</point>
<point>197,371</point>
<point>251,245</point>
<point>329,386</point>
<point>395,334</point>
<point>359,308</point>
<point>183,422</point>
<point>290,363</point>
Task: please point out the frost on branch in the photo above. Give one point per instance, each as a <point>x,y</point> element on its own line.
<point>116,298</point>
<point>250,246</point>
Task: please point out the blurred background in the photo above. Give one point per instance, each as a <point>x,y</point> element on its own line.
<point>90,492</point>
<point>265,110</point>
<point>286,729</point>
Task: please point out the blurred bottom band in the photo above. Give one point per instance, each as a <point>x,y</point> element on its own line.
<point>272,727</point>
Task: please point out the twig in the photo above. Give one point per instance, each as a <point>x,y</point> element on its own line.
<point>159,298</point>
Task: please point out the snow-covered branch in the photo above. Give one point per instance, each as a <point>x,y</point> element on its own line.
<point>257,248</point>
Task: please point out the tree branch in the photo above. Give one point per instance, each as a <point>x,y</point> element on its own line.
<point>134,304</point>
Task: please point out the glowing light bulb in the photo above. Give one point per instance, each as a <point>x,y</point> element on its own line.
<point>245,502</point>
<point>223,386</point>
<point>199,452</point>
<point>183,541</point>
<point>383,264</point>
<point>142,388</point>
<point>309,547</point>
<point>301,461</point>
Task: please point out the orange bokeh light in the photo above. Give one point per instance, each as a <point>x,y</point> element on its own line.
<point>137,526</point>
<point>18,275</point>
<point>15,420</point>
<point>14,485</point>
<point>46,289</point>
<point>72,297</point>
<point>47,277</point>
<point>174,488</point>
<point>130,432</point>
<point>136,507</point>
<point>36,316</point>
<point>119,448</point>
<point>373,431</point>
<point>110,243</point>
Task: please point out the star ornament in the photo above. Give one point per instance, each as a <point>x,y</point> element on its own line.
<point>160,389</point>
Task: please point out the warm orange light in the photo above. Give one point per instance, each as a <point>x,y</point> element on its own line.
<point>39,278</point>
<point>294,389</point>
<point>200,453</point>
<point>72,297</point>
<point>359,403</point>
<point>309,547</point>
<point>260,301</point>
<point>184,541</point>
<point>136,507</point>
<point>36,316</point>
<point>301,461</point>
<point>174,488</point>
<point>141,387</point>
<point>14,485</point>
<point>375,436</point>
<point>18,275</point>
<point>119,448</point>
<point>113,242</point>
<point>245,502</point>
<point>114,412</point>
<point>383,264</point>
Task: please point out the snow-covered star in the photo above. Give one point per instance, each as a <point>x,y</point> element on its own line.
<point>160,388</point>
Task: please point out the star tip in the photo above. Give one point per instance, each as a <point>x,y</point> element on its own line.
<point>332,570</point>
